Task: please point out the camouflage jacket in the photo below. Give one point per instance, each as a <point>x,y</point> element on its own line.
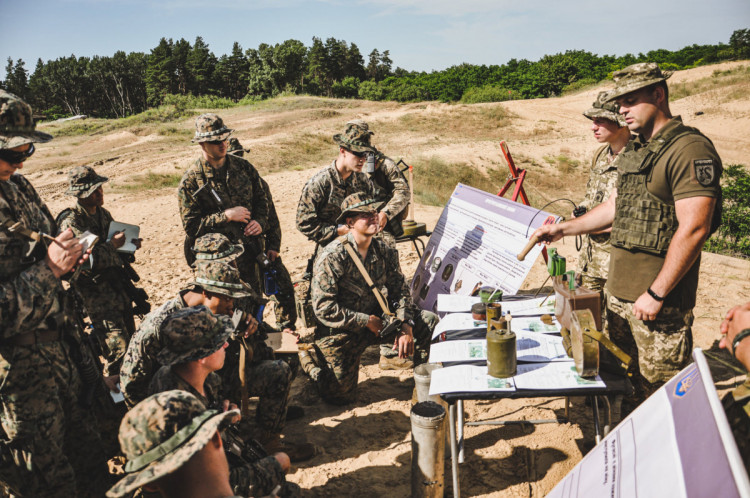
<point>341,297</point>
<point>594,255</point>
<point>272,234</point>
<point>139,363</point>
<point>391,181</point>
<point>167,380</point>
<point>320,202</point>
<point>29,291</point>
<point>237,183</point>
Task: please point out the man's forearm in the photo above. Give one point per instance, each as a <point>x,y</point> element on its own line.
<point>598,219</point>
<point>684,249</point>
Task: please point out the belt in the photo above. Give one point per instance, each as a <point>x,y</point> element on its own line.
<point>31,338</point>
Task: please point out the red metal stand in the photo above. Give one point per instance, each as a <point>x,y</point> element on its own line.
<point>517,176</point>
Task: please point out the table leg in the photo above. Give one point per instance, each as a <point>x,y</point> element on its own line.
<point>454,450</point>
<point>460,408</point>
<point>595,408</point>
<point>416,247</point>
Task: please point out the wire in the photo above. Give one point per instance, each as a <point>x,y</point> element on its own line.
<point>579,239</point>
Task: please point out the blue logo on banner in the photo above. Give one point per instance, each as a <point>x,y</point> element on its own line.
<point>686,383</point>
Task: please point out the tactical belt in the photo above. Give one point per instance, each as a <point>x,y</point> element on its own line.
<point>31,338</point>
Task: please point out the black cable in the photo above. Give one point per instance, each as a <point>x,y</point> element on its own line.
<point>579,239</point>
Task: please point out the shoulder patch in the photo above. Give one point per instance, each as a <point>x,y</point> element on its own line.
<point>705,171</point>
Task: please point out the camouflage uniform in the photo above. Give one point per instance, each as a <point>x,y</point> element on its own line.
<point>49,445</point>
<point>236,183</point>
<point>188,334</point>
<point>737,408</point>
<point>104,299</point>
<point>343,303</point>
<point>156,421</point>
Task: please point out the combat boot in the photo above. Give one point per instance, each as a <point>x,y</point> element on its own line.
<point>297,452</point>
<point>395,363</point>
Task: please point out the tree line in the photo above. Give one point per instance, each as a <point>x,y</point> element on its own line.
<point>126,84</point>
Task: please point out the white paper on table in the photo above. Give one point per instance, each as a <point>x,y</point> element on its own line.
<point>453,303</point>
<point>464,350</point>
<point>534,325</point>
<point>530,347</point>
<point>530,307</point>
<point>466,378</point>
<point>457,321</point>
<point>131,232</point>
<point>554,375</point>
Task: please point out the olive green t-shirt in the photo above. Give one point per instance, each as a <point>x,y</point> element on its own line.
<point>689,167</point>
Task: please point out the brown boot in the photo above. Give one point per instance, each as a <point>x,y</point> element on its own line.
<point>395,363</point>
<point>298,452</point>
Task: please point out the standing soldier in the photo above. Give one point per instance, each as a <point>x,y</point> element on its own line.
<point>285,311</point>
<point>222,193</point>
<point>102,288</point>
<point>49,446</point>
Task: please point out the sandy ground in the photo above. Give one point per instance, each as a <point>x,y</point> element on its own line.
<point>365,448</point>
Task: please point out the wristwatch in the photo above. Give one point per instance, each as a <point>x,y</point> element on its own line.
<point>744,333</point>
<point>654,295</point>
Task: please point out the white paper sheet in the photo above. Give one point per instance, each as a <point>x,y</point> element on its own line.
<point>530,307</point>
<point>457,321</point>
<point>534,325</point>
<point>454,303</point>
<point>554,375</point>
<point>131,232</point>
<point>466,378</point>
<point>529,347</point>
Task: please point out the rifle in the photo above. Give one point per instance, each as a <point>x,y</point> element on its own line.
<point>122,278</point>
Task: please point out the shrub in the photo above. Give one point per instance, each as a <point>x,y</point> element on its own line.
<point>733,236</point>
<point>488,93</point>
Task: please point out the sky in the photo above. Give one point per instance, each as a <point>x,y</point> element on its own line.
<point>421,35</point>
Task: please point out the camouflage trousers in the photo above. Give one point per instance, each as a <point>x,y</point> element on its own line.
<point>597,284</point>
<point>338,354</point>
<point>260,479</point>
<point>737,409</point>
<point>50,447</point>
<point>659,348</point>
<point>284,305</point>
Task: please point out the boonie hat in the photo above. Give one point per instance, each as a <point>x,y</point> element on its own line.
<point>83,181</point>
<point>635,77</point>
<point>161,433</point>
<point>210,127</point>
<point>17,125</point>
<point>193,333</point>
<point>605,109</point>
<point>235,148</point>
<point>355,137</point>
<point>359,202</point>
<point>221,278</point>
<point>216,247</point>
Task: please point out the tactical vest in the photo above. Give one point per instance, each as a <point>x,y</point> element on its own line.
<point>643,221</point>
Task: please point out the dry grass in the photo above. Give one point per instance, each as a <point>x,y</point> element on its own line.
<point>436,179</point>
<point>738,76</point>
<point>148,181</point>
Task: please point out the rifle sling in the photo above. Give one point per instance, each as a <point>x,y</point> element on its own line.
<point>363,271</point>
<point>245,401</point>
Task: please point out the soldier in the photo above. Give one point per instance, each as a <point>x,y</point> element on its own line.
<point>48,445</point>
<point>101,288</point>
<point>661,213</point>
<point>348,310</point>
<point>222,193</point>
<point>285,311</point>
<point>173,446</point>
<point>195,342</point>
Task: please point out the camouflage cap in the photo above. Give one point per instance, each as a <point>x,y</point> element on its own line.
<point>359,202</point>
<point>210,127</point>
<point>83,181</point>
<point>235,148</point>
<point>635,77</point>
<point>17,125</point>
<point>190,334</point>
<point>602,108</point>
<point>215,247</point>
<point>220,278</point>
<point>356,137</point>
<point>161,433</point>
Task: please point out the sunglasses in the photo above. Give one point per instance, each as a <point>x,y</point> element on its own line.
<point>357,154</point>
<point>15,156</point>
<point>216,142</point>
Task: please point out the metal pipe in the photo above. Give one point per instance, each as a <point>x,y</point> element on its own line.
<point>427,450</point>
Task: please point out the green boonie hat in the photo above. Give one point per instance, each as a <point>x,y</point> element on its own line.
<point>356,137</point>
<point>635,77</point>
<point>210,127</point>
<point>161,433</point>
<point>221,278</point>
<point>235,148</point>
<point>190,334</point>
<point>215,247</point>
<point>83,181</point>
<point>603,108</point>
<point>358,203</point>
<point>17,125</point>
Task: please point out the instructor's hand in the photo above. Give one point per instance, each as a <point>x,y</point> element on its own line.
<point>549,233</point>
<point>646,308</point>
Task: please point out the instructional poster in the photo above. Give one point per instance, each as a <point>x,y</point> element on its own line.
<point>475,244</point>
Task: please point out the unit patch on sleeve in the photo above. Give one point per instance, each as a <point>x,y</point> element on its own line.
<point>705,171</point>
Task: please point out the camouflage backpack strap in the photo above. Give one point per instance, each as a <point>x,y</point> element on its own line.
<point>358,263</point>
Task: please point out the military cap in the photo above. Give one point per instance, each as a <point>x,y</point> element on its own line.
<point>235,148</point>
<point>210,127</point>
<point>83,181</point>
<point>635,77</point>
<point>216,247</point>
<point>17,125</point>
<point>161,433</point>
<point>220,278</point>
<point>355,137</point>
<point>603,108</point>
<point>190,334</point>
<point>358,203</point>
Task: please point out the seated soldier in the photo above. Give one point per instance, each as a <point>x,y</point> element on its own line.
<point>194,344</point>
<point>348,309</point>
<point>173,446</point>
